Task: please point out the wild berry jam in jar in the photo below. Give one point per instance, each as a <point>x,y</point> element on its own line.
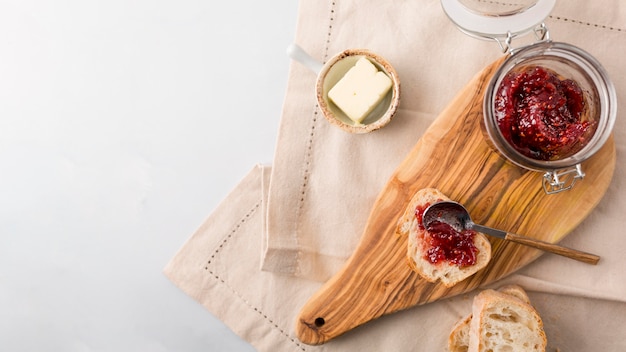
<point>549,107</point>
<point>551,136</point>
<point>542,115</point>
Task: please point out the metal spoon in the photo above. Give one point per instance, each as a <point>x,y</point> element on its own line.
<point>455,215</point>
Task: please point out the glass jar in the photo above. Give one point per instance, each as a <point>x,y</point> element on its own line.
<point>568,62</point>
<point>571,63</point>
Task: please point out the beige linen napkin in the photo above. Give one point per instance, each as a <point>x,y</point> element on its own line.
<point>308,210</point>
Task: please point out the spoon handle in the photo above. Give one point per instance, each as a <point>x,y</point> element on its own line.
<point>554,248</point>
<point>544,246</point>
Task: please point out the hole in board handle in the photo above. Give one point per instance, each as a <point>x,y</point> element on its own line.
<point>319,322</point>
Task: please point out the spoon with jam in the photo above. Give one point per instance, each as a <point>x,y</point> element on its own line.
<point>455,216</point>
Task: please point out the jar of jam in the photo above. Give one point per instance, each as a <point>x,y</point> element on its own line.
<point>550,105</point>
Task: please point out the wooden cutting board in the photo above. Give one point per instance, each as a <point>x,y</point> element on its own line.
<point>454,157</point>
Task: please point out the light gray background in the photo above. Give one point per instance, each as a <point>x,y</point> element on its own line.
<point>123,124</point>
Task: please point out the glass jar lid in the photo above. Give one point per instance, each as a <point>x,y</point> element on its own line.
<point>497,20</point>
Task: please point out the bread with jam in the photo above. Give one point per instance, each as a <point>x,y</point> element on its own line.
<point>432,260</point>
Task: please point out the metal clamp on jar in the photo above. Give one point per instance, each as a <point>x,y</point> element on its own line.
<point>550,105</point>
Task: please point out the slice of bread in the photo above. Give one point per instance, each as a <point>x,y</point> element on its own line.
<point>502,322</point>
<point>458,341</point>
<point>448,273</point>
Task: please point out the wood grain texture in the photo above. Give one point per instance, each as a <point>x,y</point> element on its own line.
<point>454,157</point>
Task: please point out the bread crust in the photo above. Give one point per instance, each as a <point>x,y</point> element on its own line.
<point>447,273</point>
<point>515,291</point>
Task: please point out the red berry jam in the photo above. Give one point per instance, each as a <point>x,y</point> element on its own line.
<point>445,243</point>
<point>541,115</point>
<point>419,213</point>
<point>448,244</point>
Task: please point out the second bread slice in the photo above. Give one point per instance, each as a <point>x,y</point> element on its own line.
<point>502,322</point>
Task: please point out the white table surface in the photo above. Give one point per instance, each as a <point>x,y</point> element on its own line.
<point>123,124</point>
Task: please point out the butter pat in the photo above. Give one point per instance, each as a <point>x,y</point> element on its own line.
<point>359,91</point>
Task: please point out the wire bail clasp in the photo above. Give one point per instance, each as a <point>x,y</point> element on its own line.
<point>505,45</point>
<point>559,181</point>
<point>541,32</point>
